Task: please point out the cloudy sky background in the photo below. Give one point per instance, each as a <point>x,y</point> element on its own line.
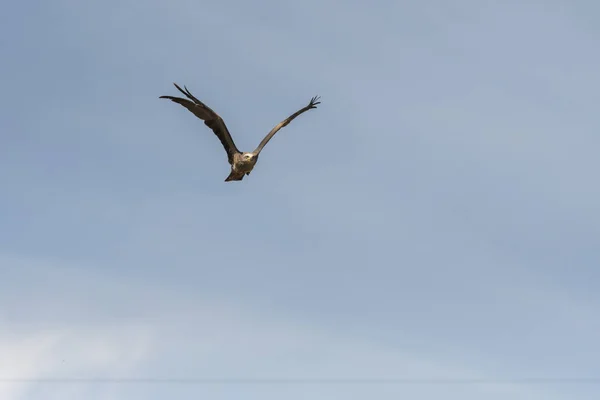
<point>437,217</point>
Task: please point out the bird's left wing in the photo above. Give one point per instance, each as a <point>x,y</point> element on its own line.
<point>210,118</point>
<point>313,104</point>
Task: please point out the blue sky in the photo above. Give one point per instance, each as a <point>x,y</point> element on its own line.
<point>436,217</point>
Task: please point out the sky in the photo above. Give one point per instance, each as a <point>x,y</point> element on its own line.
<point>435,218</point>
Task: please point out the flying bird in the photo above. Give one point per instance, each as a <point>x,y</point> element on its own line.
<point>242,163</point>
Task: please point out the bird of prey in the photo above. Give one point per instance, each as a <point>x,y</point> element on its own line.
<point>241,163</point>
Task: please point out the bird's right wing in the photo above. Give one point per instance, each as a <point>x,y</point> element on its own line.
<point>210,118</point>
<point>312,104</point>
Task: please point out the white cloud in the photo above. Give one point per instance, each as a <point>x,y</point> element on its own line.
<point>180,334</point>
<point>67,352</point>
<point>20,357</point>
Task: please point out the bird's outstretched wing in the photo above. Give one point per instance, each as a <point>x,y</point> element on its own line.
<point>313,104</point>
<point>210,118</point>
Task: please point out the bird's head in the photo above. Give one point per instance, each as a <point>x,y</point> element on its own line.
<point>248,156</point>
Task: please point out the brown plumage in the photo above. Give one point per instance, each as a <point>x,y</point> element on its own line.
<point>241,163</point>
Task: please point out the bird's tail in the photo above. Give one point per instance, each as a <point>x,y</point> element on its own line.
<point>235,176</point>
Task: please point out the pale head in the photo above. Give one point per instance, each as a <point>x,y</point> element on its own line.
<point>248,157</point>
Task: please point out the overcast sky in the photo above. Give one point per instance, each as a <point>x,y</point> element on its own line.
<point>437,217</point>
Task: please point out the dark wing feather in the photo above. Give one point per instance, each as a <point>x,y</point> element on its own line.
<point>313,104</point>
<point>210,118</point>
